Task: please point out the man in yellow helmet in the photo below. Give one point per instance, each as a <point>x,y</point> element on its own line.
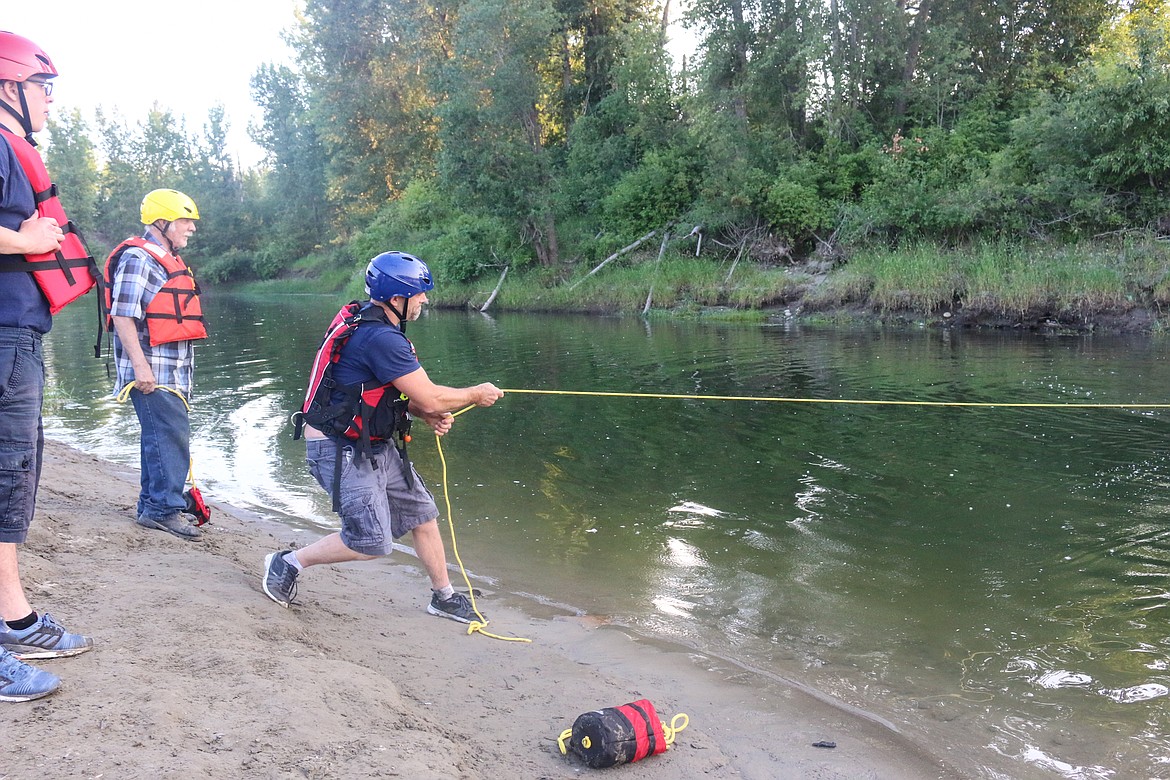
<point>154,311</point>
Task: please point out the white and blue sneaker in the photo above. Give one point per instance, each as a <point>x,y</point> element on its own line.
<point>45,638</point>
<point>21,682</point>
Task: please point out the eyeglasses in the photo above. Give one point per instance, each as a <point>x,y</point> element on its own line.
<point>47,86</point>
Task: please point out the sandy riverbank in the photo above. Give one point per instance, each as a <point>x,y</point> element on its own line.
<point>197,674</point>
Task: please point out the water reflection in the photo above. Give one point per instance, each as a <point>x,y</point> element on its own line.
<point>991,580</point>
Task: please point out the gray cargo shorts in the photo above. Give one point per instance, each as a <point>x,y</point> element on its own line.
<point>377,506</point>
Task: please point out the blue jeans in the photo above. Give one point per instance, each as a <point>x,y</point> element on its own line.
<point>165,452</point>
<point>22,440</point>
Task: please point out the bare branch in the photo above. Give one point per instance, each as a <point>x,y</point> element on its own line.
<point>661,252</point>
<point>496,291</point>
<point>615,256</point>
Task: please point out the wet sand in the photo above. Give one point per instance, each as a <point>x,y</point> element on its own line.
<point>196,673</point>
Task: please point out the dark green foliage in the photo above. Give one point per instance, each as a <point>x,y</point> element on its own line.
<point>72,164</point>
<point>457,246</point>
<point>1097,157</point>
<point>655,193</point>
<point>292,202</point>
<point>468,245</point>
<point>368,66</point>
<point>492,133</point>
<point>639,115</point>
<point>234,265</point>
<point>795,211</point>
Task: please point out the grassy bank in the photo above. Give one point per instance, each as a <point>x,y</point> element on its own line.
<point>1117,284</point>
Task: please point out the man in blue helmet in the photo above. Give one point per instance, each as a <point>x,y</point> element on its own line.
<point>366,377</point>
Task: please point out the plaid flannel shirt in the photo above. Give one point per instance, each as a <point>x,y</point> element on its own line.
<point>137,280</point>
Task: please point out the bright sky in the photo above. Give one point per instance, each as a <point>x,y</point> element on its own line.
<point>126,55</point>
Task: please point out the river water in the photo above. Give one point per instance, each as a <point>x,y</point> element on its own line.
<point>990,579</point>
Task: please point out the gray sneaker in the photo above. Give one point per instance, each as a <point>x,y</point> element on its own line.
<point>279,579</point>
<point>458,607</point>
<point>172,524</point>
<point>21,682</point>
<point>45,638</point>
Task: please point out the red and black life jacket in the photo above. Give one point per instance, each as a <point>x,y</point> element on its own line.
<point>69,272</point>
<point>364,414</point>
<point>174,313</point>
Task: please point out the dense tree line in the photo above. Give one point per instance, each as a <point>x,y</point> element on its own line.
<point>490,133</point>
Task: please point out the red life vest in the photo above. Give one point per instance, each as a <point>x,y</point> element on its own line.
<point>364,415</point>
<point>69,272</point>
<point>174,314</point>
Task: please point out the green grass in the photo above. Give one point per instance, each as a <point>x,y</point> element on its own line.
<point>1004,280</point>
<point>1071,283</point>
<point>1067,281</point>
<point>677,282</point>
<point>917,279</point>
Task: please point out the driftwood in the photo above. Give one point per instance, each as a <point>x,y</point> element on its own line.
<point>661,252</point>
<point>496,291</point>
<point>615,256</point>
<point>742,246</point>
<point>697,232</point>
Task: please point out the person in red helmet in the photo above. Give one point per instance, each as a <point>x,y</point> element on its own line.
<point>29,294</point>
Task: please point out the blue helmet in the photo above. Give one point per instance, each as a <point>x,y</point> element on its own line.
<point>397,273</point>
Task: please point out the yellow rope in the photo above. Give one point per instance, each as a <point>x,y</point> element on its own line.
<point>478,627</point>
<point>475,626</point>
<point>669,732</point>
<point>124,394</point>
<point>562,739</point>
<point>782,399</point>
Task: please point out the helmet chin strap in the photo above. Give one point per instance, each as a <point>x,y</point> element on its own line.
<point>400,314</point>
<point>163,232</point>
<point>25,122</point>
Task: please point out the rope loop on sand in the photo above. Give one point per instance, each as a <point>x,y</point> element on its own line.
<point>476,626</point>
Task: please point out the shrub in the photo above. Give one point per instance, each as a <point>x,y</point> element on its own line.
<point>470,243</point>
<point>233,264</point>
<point>794,210</point>
<point>656,192</point>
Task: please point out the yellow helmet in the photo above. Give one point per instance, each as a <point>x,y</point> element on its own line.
<point>169,205</point>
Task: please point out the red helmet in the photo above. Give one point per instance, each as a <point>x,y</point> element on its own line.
<point>21,58</point>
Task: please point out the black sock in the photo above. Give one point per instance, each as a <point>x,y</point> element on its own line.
<point>23,623</point>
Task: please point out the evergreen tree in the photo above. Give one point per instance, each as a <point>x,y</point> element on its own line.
<point>72,164</point>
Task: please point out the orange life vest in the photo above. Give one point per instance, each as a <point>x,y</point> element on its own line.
<point>68,273</point>
<point>174,314</point>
